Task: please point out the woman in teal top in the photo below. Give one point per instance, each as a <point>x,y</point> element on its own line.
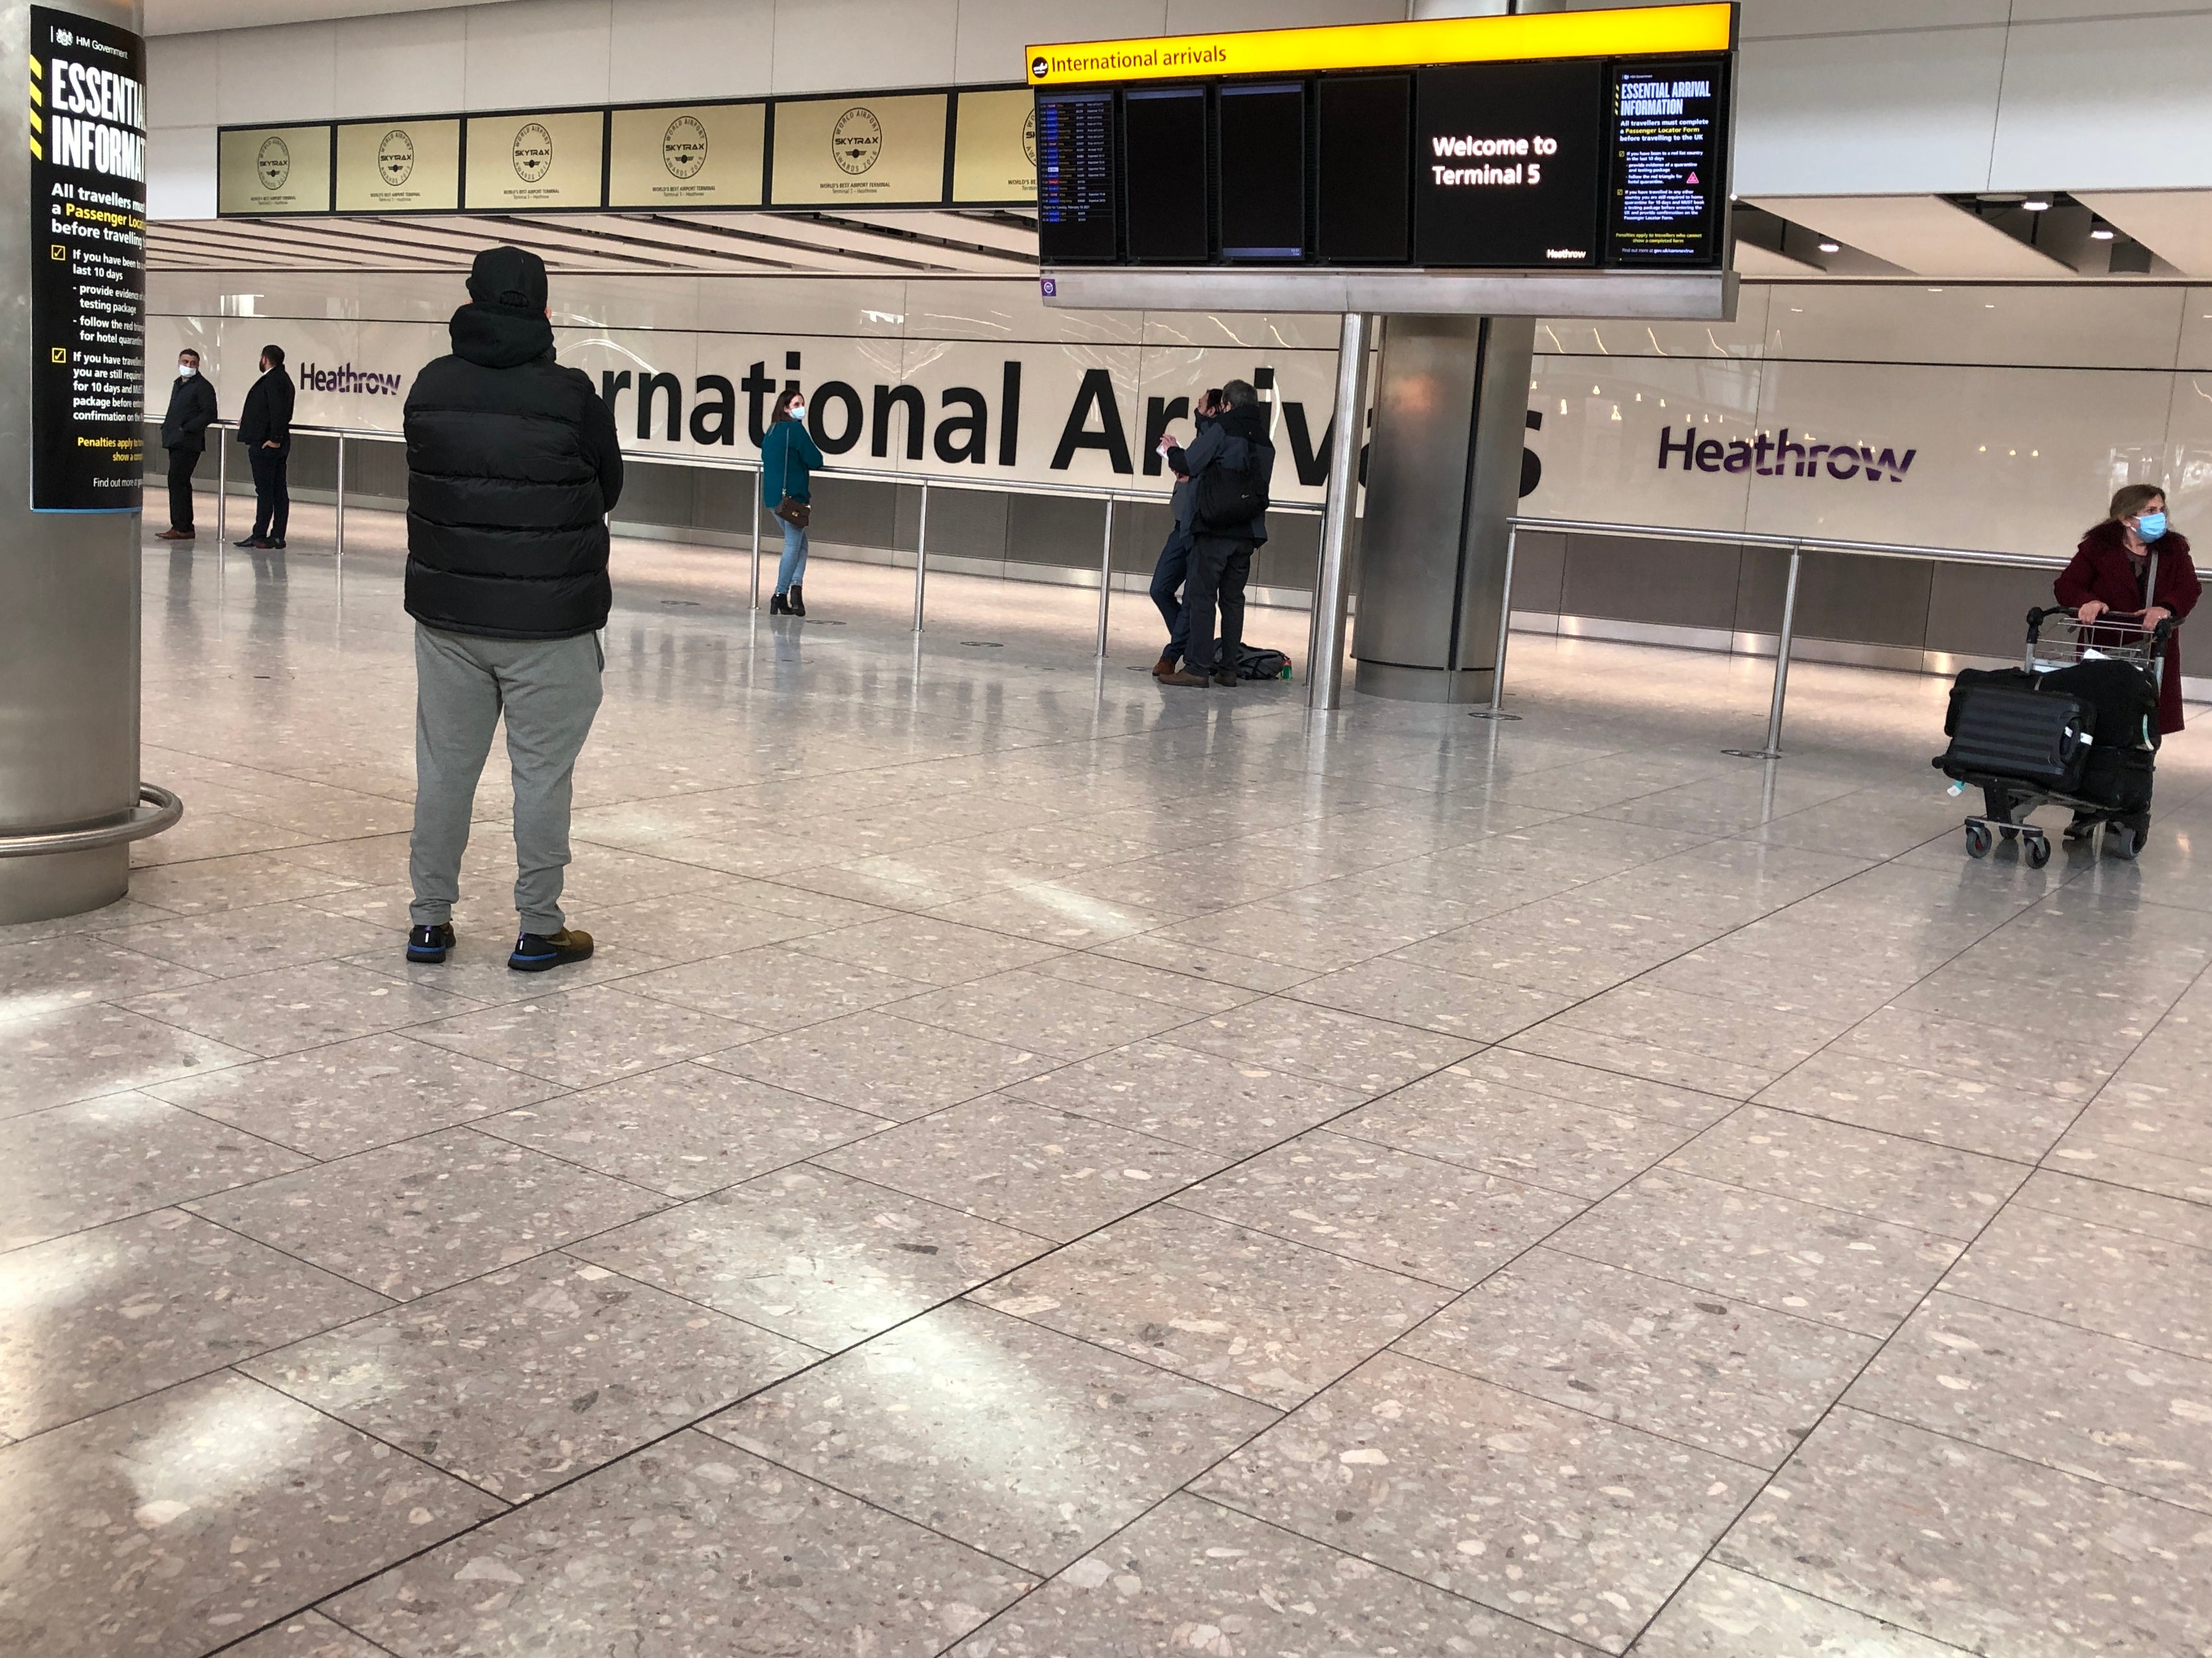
<point>789,457</point>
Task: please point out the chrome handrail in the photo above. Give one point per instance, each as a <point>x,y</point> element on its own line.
<point>139,824</point>
<point>1798,546</point>
<point>925,481</point>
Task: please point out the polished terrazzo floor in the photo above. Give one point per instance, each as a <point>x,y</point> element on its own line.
<point>1042,1166</point>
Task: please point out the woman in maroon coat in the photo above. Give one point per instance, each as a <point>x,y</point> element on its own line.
<point>2107,574</point>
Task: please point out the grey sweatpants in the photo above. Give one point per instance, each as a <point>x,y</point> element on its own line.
<point>549,689</point>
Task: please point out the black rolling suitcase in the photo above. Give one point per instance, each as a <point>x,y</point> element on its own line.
<point>2124,704</point>
<point>2002,725</point>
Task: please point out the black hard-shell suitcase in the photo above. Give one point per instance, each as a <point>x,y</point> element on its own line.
<point>2123,704</point>
<point>2000,727</point>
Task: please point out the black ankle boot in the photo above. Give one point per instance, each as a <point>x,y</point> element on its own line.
<point>776,606</point>
<point>798,600</point>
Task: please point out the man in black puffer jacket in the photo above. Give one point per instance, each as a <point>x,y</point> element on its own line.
<point>511,466</point>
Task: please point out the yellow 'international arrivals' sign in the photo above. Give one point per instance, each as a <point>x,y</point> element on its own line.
<point>1627,32</point>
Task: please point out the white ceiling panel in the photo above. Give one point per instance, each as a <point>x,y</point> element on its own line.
<point>2174,225</point>
<point>1924,234</point>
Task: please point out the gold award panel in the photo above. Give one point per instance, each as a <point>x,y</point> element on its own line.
<point>705,156</point>
<point>400,167</point>
<point>275,169</point>
<point>535,161</point>
<point>860,151</point>
<point>994,147</point>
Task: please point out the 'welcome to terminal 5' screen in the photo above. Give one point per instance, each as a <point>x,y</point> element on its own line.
<point>1559,164</point>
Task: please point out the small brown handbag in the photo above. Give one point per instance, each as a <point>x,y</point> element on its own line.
<point>795,512</point>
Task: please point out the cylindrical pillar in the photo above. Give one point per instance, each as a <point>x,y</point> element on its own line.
<point>1451,414</point>
<point>1325,639</point>
<point>72,399</point>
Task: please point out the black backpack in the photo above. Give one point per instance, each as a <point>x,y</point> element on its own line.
<point>1260,663</point>
<point>1225,499</point>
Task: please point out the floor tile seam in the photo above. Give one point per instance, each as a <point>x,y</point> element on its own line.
<point>1368,1558</point>
<point>2024,1458</point>
<point>820,1358</point>
<point>1568,1247</point>
<point>1288,994</point>
<point>1213,1502</point>
<point>2158,1238</point>
<point>1397,1352</point>
<point>1521,1179</point>
<point>1807,1115</point>
<point>662,1203</point>
<point>1941,1647</point>
<point>1882,1346</point>
<point>1952,1293</point>
<point>1946,1239</point>
<point>678,1199</point>
<point>1177,1202</point>
<point>276,1624</point>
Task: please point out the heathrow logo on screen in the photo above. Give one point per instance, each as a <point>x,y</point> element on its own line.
<point>1788,457</point>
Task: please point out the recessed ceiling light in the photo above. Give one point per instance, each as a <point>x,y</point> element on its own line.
<point>2103,233</point>
<point>2036,204</point>
<point>1831,247</point>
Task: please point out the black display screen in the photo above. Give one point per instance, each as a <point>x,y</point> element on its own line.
<point>1263,175</point>
<point>1364,172</point>
<point>1669,183</point>
<point>1164,146</point>
<point>1506,162</point>
<point>1075,178</point>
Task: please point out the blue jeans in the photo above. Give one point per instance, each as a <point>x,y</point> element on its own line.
<point>791,572</point>
<point>1167,582</point>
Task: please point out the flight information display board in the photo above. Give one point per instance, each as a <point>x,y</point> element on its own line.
<point>1575,155</point>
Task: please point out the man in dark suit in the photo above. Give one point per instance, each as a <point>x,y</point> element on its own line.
<point>264,426</point>
<point>183,436</point>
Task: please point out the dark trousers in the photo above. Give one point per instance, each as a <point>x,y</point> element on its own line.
<point>1168,576</point>
<point>1219,567</point>
<point>181,465</point>
<point>272,502</point>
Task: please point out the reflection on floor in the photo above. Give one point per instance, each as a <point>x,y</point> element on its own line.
<point>1044,1166</point>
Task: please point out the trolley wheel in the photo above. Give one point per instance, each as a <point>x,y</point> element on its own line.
<point>1979,840</point>
<point>2010,833</point>
<point>2037,848</point>
<point>2127,837</point>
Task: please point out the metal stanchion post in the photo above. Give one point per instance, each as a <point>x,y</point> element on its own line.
<point>759,482</point>
<point>221,489</point>
<point>1496,709</point>
<point>920,555</point>
<point>338,521</point>
<point>1773,749</point>
<point>1105,576</point>
<point>1325,637</point>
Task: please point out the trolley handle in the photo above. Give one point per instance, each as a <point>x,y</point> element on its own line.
<point>2159,635</point>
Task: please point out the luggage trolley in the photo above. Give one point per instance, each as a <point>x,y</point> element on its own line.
<point>2025,747</point>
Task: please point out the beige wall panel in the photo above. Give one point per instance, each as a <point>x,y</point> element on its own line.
<point>534,161</point>
<point>704,155</point>
<point>284,169</point>
<point>859,151</point>
<point>994,147</point>
<point>400,167</point>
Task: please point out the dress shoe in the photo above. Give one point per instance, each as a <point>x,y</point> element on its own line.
<point>177,535</point>
<point>1165,666</point>
<point>1224,678</point>
<point>1179,677</point>
<point>250,541</point>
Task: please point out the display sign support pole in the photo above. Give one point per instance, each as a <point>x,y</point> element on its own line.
<point>338,522</point>
<point>921,556</point>
<point>1105,576</point>
<point>1325,642</point>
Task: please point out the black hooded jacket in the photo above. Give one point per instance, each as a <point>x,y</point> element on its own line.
<point>511,466</point>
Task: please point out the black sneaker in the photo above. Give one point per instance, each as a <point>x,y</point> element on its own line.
<point>535,952</point>
<point>430,943</point>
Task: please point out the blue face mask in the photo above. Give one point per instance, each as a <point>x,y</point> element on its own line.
<point>2150,526</point>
